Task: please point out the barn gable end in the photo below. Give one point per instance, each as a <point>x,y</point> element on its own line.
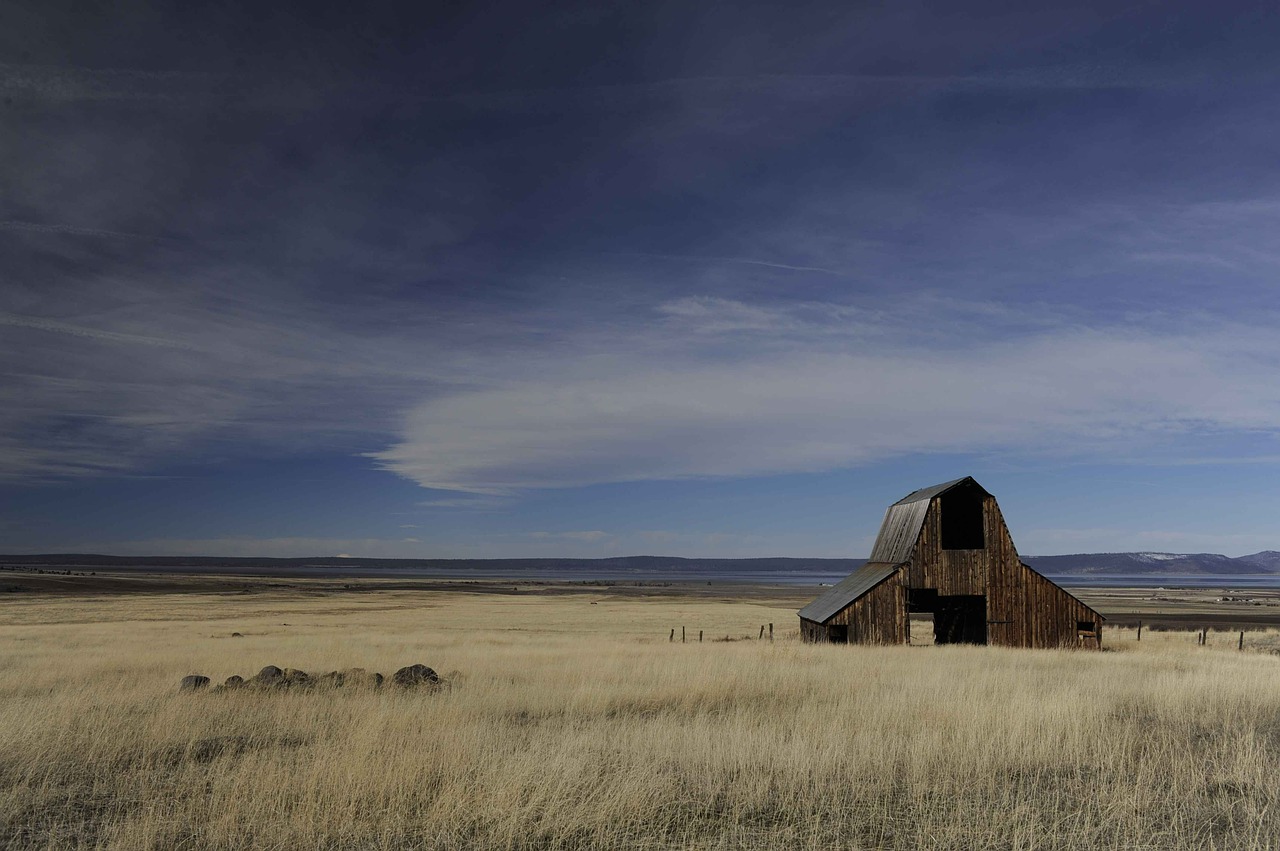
<point>945,551</point>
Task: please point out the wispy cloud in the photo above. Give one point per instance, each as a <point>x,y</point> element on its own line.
<point>69,230</point>
<point>1121,539</point>
<point>589,536</point>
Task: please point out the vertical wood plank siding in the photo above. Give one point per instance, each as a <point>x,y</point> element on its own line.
<point>1024,609</point>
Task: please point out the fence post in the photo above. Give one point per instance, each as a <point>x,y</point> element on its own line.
<point>673,634</point>
<point>1139,630</point>
<point>682,635</point>
<point>771,632</point>
<point>761,631</point>
<point>1241,647</point>
<point>699,636</point>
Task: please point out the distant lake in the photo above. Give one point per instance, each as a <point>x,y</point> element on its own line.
<point>596,573</point>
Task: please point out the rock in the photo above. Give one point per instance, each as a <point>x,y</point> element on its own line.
<point>294,677</point>
<point>193,683</point>
<point>360,678</point>
<point>333,679</point>
<point>236,635</point>
<point>234,681</point>
<point>268,677</point>
<point>414,676</point>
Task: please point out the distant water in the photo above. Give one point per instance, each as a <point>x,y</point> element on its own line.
<point>661,575</point>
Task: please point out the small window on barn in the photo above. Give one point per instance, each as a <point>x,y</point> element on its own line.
<point>838,633</point>
<point>1084,626</point>
<point>962,519</point>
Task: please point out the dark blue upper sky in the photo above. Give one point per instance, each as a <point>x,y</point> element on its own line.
<point>692,278</point>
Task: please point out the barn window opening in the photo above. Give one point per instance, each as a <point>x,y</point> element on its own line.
<point>962,519</point>
<point>1084,626</point>
<point>838,633</point>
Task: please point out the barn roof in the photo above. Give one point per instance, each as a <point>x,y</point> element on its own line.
<point>905,518</point>
<point>926,494</point>
<point>847,590</point>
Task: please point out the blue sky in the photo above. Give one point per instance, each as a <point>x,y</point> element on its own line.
<point>693,279</point>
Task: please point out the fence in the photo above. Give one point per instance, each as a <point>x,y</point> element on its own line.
<point>672,638</point>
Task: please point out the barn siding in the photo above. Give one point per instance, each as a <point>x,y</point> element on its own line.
<point>877,617</point>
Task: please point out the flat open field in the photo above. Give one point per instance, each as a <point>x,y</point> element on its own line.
<point>576,723</point>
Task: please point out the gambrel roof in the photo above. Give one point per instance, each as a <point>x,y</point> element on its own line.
<point>894,547</point>
<point>905,518</point>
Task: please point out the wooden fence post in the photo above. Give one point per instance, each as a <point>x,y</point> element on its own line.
<point>1241,647</point>
<point>771,632</point>
<point>673,634</point>
<point>699,636</point>
<point>761,631</point>
<point>682,635</point>
<point>1139,630</point>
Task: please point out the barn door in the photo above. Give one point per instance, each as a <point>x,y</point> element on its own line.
<point>960,619</point>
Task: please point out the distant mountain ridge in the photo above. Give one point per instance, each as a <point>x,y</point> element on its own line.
<point>1081,564</point>
<point>1172,564</point>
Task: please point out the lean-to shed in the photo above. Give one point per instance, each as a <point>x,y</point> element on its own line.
<point>945,551</point>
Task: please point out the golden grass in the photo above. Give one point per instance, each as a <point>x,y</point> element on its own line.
<point>580,726</point>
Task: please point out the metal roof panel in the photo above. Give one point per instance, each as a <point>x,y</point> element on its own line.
<point>847,590</point>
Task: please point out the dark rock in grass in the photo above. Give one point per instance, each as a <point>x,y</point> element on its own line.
<point>268,677</point>
<point>236,635</point>
<point>415,676</point>
<point>193,682</point>
<point>233,681</point>
<point>351,678</point>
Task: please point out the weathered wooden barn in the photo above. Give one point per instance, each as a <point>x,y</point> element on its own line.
<point>945,551</point>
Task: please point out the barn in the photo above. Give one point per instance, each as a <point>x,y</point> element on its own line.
<point>945,551</point>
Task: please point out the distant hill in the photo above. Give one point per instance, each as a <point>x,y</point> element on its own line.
<point>639,564</point>
<point>1083,564</point>
<point>1175,564</point>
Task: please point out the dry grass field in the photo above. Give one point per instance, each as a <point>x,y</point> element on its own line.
<point>576,724</point>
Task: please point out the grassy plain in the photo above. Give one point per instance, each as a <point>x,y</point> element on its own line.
<point>577,724</point>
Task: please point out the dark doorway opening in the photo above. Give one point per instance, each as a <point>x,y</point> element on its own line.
<point>957,618</point>
<point>962,524</point>
<point>961,619</point>
<point>838,633</point>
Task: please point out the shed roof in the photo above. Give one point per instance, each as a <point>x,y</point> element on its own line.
<point>847,590</point>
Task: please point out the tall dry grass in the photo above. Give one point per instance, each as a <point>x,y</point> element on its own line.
<point>580,726</point>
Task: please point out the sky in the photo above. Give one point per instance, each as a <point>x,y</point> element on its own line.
<point>704,279</point>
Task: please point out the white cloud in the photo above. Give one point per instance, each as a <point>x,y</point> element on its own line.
<point>822,402</point>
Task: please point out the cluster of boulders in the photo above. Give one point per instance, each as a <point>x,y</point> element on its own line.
<point>273,678</point>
